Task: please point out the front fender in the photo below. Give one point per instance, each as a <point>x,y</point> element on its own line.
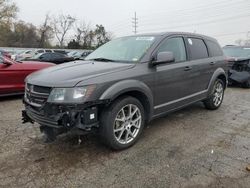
<point>125,86</point>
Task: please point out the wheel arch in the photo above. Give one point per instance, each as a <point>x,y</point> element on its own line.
<point>219,73</point>
<point>133,88</point>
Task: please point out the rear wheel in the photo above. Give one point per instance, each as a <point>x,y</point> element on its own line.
<point>122,123</point>
<point>214,101</point>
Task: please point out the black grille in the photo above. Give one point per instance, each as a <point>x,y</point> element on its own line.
<point>36,95</point>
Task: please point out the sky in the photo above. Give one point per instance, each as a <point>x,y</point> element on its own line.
<point>226,20</point>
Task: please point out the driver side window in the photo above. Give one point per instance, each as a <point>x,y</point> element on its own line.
<point>175,45</point>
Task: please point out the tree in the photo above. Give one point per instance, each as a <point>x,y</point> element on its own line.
<point>8,10</point>
<point>73,44</point>
<point>24,35</point>
<point>45,33</point>
<point>61,25</point>
<point>82,31</point>
<point>101,35</point>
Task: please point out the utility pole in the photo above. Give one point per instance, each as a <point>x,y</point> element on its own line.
<point>135,24</point>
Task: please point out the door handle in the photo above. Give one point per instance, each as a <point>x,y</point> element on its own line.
<point>187,68</point>
<point>212,63</point>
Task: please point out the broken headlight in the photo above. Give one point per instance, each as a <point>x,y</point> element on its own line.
<point>70,95</point>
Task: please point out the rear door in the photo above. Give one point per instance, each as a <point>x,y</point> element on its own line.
<point>200,62</point>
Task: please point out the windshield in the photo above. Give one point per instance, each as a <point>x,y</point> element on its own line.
<point>37,56</point>
<point>237,51</point>
<point>125,49</point>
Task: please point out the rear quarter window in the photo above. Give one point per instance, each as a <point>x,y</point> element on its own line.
<point>214,49</point>
<point>197,48</point>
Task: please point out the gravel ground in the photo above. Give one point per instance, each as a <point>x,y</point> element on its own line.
<point>193,147</point>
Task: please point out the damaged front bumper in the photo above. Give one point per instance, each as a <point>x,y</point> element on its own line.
<point>63,117</point>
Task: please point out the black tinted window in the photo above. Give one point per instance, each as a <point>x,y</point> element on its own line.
<point>58,55</point>
<point>40,51</point>
<point>175,45</point>
<point>214,48</point>
<point>46,56</point>
<point>60,51</point>
<point>198,49</point>
<point>48,51</point>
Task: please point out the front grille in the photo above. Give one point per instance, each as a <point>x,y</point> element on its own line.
<point>36,95</point>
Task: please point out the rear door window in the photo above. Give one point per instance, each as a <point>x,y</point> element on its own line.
<point>175,45</point>
<point>197,48</point>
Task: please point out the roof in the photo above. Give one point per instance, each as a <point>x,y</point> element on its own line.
<point>235,46</point>
<point>176,33</point>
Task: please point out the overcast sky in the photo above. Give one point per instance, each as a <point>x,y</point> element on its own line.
<point>226,20</point>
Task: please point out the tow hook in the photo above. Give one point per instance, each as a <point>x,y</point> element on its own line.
<point>26,118</point>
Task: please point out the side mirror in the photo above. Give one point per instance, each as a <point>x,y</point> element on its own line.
<point>164,57</point>
<point>7,61</point>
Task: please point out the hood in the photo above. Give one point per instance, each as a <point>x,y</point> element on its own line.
<point>69,74</point>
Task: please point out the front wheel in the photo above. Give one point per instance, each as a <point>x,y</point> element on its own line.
<point>122,123</point>
<point>214,101</point>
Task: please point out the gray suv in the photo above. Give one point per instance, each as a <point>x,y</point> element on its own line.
<point>126,83</point>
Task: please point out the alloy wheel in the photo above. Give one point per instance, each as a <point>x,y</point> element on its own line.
<point>127,124</point>
<point>218,94</point>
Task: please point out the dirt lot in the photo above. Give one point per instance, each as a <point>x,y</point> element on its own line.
<point>190,148</point>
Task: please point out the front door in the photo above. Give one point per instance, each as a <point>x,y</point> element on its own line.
<point>174,81</point>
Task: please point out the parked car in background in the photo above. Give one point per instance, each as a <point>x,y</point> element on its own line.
<point>12,74</point>
<point>239,64</point>
<point>23,55</point>
<point>72,53</point>
<point>53,57</point>
<point>126,83</point>
<point>82,54</point>
<point>5,53</point>
<point>30,54</point>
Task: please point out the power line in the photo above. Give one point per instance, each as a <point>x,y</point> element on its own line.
<point>135,24</point>
<point>203,22</point>
<point>209,7</point>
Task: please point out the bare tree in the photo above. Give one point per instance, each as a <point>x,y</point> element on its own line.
<point>45,32</point>
<point>8,10</point>
<point>61,25</point>
<point>83,33</point>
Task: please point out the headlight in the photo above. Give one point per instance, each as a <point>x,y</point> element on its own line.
<point>70,95</point>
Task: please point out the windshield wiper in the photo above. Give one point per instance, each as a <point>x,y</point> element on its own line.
<point>102,59</point>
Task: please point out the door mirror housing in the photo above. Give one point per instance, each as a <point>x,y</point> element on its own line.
<point>6,61</point>
<point>164,57</point>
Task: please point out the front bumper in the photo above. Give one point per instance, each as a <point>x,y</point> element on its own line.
<point>59,116</point>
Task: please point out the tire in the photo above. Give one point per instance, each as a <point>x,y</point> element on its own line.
<point>246,84</point>
<point>119,130</point>
<point>215,99</point>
